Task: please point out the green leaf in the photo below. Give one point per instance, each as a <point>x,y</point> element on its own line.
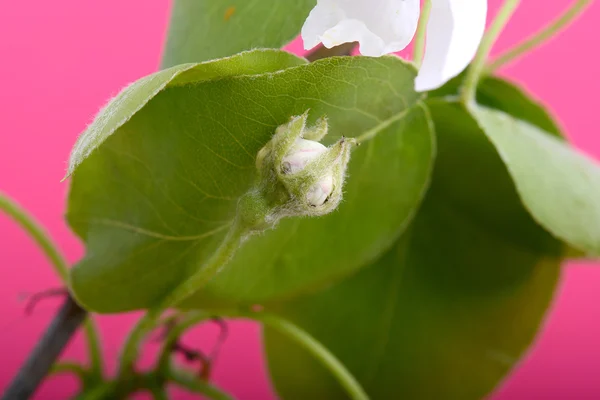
<point>559,185</point>
<point>387,180</point>
<point>137,95</point>
<point>158,190</point>
<point>202,30</point>
<point>499,94</point>
<point>447,312</point>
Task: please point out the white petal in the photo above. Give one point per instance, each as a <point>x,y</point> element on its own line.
<point>318,193</point>
<point>380,26</point>
<point>454,31</point>
<point>300,154</point>
<point>324,16</point>
<point>353,30</point>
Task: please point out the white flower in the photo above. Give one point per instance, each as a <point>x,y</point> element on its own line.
<point>380,26</point>
<point>295,161</point>
<point>454,31</point>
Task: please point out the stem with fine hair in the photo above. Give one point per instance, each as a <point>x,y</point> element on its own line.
<point>50,249</point>
<point>293,332</point>
<point>421,34</point>
<point>478,65</point>
<point>542,36</point>
<point>213,266</point>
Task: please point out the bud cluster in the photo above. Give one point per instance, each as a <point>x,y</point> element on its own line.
<point>298,176</point>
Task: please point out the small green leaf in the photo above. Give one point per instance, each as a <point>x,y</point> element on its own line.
<point>202,30</point>
<point>387,179</point>
<point>159,188</point>
<point>499,94</point>
<point>559,185</point>
<point>451,309</point>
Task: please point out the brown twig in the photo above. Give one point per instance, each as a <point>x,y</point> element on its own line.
<point>323,52</point>
<point>64,325</point>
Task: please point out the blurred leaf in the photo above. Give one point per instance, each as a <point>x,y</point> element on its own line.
<point>158,189</point>
<point>499,94</point>
<point>387,180</point>
<point>559,186</point>
<point>474,180</point>
<point>451,309</point>
<point>202,30</point>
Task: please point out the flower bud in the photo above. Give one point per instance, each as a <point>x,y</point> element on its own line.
<point>298,176</point>
<point>300,154</point>
<point>298,157</point>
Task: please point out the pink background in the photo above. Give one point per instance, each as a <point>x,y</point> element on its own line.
<point>61,60</point>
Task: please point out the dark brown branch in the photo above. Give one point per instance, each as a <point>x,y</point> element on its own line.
<point>323,52</point>
<point>46,352</point>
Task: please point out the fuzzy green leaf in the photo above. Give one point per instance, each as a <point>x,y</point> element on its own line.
<point>158,190</point>
<point>137,95</point>
<point>203,30</point>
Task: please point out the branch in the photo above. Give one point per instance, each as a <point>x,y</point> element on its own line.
<point>542,36</point>
<point>46,352</point>
<point>323,52</point>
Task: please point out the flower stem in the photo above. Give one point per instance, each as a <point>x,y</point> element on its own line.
<point>478,65</point>
<point>50,249</point>
<point>220,258</point>
<point>542,36</point>
<point>69,368</point>
<point>35,230</point>
<point>164,358</point>
<point>320,352</point>
<point>421,34</point>
<point>94,351</point>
